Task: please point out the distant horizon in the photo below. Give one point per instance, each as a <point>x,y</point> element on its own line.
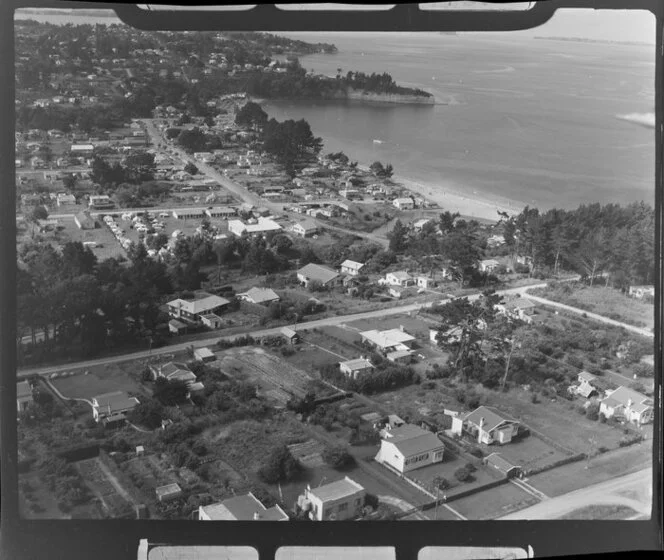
<point>588,24</point>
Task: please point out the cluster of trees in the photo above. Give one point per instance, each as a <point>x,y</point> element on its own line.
<point>611,240</point>
<point>195,140</point>
<point>378,83</point>
<point>81,307</point>
<point>65,481</point>
<point>279,466</point>
<point>134,169</point>
<point>290,142</point>
<point>386,377</point>
<point>380,170</point>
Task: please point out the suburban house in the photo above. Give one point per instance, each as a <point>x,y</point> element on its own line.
<point>204,355</point>
<point>168,492</point>
<point>64,198</point>
<point>262,226</point>
<point>424,282</point>
<point>241,508</point>
<point>629,404</point>
<point>487,425</point>
<point>201,309</point>
<point>174,371</point>
<point>260,296</point>
<point>410,447</point>
<point>496,241</point>
<point>84,220</point>
<point>307,228</point>
<point>112,406</point>
<point>419,224</point>
<point>502,465</point>
<point>398,278</point>
<point>356,368</point>
<point>336,501</point>
<point>639,292</point>
<point>403,203</point>
<point>100,201</point>
<point>518,308</point>
<point>388,341</point>
<point>585,388</point>
<point>488,265</point>
<point>316,273</point>
<point>351,268</point>
<point>23,395</point>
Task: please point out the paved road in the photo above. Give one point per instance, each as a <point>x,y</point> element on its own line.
<point>594,316</point>
<point>602,493</point>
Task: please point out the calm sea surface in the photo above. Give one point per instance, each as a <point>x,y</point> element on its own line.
<point>533,121</point>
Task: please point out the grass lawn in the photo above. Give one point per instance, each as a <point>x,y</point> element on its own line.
<point>603,467</point>
<point>101,379</point>
<point>528,453</point>
<point>604,301</point>
<point>602,512</point>
<point>311,358</point>
<point>493,503</point>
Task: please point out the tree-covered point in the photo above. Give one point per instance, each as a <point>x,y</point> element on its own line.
<point>279,45</point>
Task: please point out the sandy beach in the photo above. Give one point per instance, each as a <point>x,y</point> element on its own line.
<point>469,205</point>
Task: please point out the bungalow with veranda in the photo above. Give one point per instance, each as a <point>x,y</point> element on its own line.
<point>628,404</point>
<point>410,447</point>
<point>487,425</point>
<point>260,296</point>
<point>195,310</point>
<point>391,340</point>
<point>306,228</point>
<point>336,501</point>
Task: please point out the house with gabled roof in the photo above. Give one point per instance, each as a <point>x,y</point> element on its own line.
<point>113,405</point>
<point>174,371</point>
<point>192,310</point>
<point>629,404</point>
<point>410,447</point>
<point>260,296</point>
<point>305,228</point>
<point>398,278</point>
<point>356,368</point>
<point>390,340</point>
<point>317,273</point>
<point>352,268</point>
<point>241,508</point>
<point>487,425</point>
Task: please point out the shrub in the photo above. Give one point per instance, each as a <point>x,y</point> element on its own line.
<point>280,466</point>
<point>592,412</point>
<point>338,457</point>
<point>462,474</point>
<point>470,467</point>
<point>477,452</point>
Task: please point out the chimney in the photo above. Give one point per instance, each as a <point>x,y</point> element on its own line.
<point>256,516</point>
<point>629,403</point>
<point>479,432</point>
<point>401,328</point>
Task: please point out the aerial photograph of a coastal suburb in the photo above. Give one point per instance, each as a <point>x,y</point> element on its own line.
<point>334,276</point>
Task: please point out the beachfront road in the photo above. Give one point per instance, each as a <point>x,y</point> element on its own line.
<point>616,491</point>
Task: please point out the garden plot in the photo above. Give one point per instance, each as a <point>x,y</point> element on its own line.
<point>270,371</point>
<point>103,488</point>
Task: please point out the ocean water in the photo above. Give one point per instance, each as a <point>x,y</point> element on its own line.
<point>539,122</point>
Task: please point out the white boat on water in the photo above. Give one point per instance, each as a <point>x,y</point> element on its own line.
<point>376,141</point>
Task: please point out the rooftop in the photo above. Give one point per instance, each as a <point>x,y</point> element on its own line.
<point>203,352</point>
<point>388,338</point>
<point>492,418</point>
<point>624,394</point>
<point>411,440</point>
<point>359,363</point>
<point>308,225</point>
<point>202,303</point>
<point>498,461</point>
<point>351,264</point>
<point>23,389</point>
<point>115,402</point>
<point>313,271</point>
<point>168,489</point>
<point>260,295</point>
<point>400,275</point>
<point>243,508</point>
<point>337,490</point>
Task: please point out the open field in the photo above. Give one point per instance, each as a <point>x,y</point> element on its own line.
<point>608,302</point>
<point>576,476</point>
<point>100,379</point>
<point>494,502</point>
<point>310,358</point>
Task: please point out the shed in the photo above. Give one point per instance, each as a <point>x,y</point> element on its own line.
<point>204,355</point>
<point>502,465</point>
<point>168,492</point>
<point>290,335</point>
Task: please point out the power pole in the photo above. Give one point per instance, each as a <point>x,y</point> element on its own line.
<point>592,441</point>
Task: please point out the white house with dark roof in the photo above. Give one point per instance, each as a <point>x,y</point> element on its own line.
<point>241,508</point>
<point>410,447</point>
<point>356,368</point>
<point>352,268</point>
<point>316,273</point>
<point>629,404</point>
<point>193,310</point>
<point>488,265</point>
<point>405,203</point>
<point>260,296</point>
<point>174,371</point>
<point>336,501</point>
<point>398,278</point>
<point>487,425</point>
<point>112,405</point>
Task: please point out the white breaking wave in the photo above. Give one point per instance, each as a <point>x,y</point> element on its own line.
<point>644,119</point>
